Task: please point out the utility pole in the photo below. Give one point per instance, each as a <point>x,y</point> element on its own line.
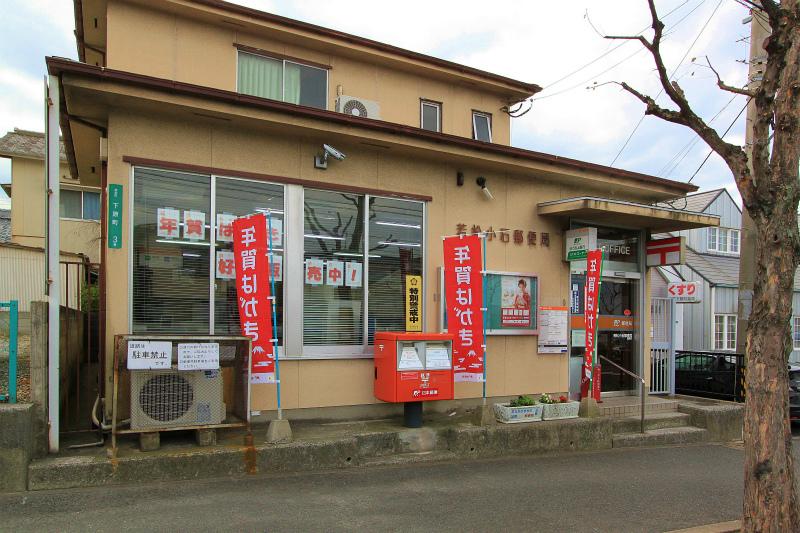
<point>759,31</point>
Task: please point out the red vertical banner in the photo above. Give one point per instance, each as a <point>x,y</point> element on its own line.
<point>463,293</point>
<point>253,291</point>
<point>594,270</point>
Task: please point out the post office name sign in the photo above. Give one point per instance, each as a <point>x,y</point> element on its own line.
<point>579,242</point>
<point>685,292</point>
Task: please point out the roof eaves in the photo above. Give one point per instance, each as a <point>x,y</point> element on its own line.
<point>57,65</point>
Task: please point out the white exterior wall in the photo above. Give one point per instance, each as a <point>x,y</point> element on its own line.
<point>23,278</point>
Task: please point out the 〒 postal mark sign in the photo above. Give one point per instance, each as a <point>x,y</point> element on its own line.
<point>579,242</point>
<point>662,252</point>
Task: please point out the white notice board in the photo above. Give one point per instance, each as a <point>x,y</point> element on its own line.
<point>198,356</point>
<point>149,355</point>
<point>553,322</point>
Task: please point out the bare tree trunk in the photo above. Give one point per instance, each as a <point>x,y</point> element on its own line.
<point>770,497</point>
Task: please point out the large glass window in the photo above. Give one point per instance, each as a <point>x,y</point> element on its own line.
<point>725,332</point>
<point>282,80</point>
<point>482,126</point>
<point>723,240</point>
<point>430,116</point>
<point>333,301</point>
<point>395,251</point>
<point>70,203</point>
<point>235,198</point>
<point>170,257</point>
<point>91,206</point>
<point>796,332</point>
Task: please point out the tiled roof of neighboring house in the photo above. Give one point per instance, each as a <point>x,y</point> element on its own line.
<point>696,203</point>
<point>717,269</point>
<point>5,225</point>
<point>24,143</point>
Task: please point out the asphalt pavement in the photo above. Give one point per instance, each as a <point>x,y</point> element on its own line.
<point>648,489</point>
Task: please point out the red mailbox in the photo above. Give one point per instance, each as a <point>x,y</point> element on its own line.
<point>413,367</point>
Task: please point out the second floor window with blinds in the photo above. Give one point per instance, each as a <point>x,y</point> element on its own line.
<point>279,79</point>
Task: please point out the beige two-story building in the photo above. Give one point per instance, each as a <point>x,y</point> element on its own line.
<point>207,107</point>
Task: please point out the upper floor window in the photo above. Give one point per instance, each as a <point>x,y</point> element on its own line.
<point>281,79</point>
<point>796,332</point>
<point>723,240</point>
<point>79,205</point>
<point>724,332</point>
<point>482,126</point>
<point>430,115</point>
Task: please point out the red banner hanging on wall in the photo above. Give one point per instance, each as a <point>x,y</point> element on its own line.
<point>253,291</point>
<point>594,270</point>
<point>463,287</point>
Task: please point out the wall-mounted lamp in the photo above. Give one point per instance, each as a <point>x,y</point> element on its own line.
<point>481,181</point>
<point>459,178</point>
<point>321,161</point>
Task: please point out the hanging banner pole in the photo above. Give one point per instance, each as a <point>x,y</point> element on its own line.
<point>484,313</point>
<point>594,273</point>
<point>274,309</point>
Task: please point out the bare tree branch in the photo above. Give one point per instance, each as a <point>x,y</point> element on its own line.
<point>725,87</point>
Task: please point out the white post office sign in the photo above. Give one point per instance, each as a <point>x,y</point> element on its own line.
<point>578,242</point>
<point>149,355</point>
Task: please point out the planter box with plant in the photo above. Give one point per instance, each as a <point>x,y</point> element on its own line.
<point>558,408</point>
<point>520,409</point>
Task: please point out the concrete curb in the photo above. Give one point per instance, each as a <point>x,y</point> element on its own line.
<point>733,526</point>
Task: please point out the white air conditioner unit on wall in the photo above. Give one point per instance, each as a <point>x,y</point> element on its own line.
<point>358,107</point>
<point>171,398</point>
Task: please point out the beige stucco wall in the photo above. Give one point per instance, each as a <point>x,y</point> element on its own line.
<point>28,204</point>
<point>514,366</point>
<point>182,49</point>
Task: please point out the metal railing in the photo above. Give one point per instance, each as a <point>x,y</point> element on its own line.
<point>13,321</point>
<point>634,376</point>
<point>711,374</point>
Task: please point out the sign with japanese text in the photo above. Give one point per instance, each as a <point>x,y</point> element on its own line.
<point>115,215</point>
<point>253,290</point>
<point>194,225</point>
<point>553,322</point>
<point>314,271</point>
<point>578,242</point>
<point>277,267</point>
<point>685,292</point>
<point>511,303</point>
<point>225,227</point>
<point>277,232</point>
<point>225,265</point>
<point>334,273</point>
<point>594,271</point>
<point>463,285</point>
<point>352,274</point>
<point>149,355</point>
<point>168,223</point>
<point>662,252</point>
<point>413,297</point>
<point>198,356</point>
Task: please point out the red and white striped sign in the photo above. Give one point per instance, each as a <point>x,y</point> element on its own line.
<point>663,252</point>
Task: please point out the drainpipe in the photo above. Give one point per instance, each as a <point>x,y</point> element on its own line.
<point>52,151</point>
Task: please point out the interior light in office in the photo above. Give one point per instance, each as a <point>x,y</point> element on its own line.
<point>321,161</point>
<point>481,181</point>
<point>398,224</point>
<point>405,244</point>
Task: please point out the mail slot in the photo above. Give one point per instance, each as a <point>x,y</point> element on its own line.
<point>413,367</point>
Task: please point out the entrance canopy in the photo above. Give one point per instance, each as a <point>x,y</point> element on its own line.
<point>608,212</point>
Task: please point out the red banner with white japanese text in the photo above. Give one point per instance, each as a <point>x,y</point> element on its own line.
<point>463,288</point>
<point>594,270</point>
<point>253,291</point>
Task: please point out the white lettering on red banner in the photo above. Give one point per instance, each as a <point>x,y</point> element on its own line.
<point>225,227</point>
<point>334,273</point>
<point>194,225</point>
<point>594,261</point>
<point>253,291</point>
<point>464,299</point>
<point>168,223</point>
<point>225,265</point>
<point>314,271</point>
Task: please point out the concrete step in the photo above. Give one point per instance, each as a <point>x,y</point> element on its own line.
<point>409,458</point>
<point>633,407</point>
<point>668,419</point>
<point>660,437</point>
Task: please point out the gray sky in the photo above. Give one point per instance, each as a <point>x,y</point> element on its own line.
<point>534,41</point>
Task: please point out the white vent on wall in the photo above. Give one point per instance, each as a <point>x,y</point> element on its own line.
<point>359,107</point>
<point>168,398</point>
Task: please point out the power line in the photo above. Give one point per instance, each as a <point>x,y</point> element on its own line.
<point>705,25</point>
<point>722,137</point>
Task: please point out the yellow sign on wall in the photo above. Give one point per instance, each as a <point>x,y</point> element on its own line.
<point>413,296</point>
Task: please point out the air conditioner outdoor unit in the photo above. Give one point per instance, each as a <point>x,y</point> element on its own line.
<point>359,107</point>
<point>171,398</point>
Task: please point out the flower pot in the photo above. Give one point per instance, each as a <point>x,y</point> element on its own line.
<point>515,415</point>
<point>557,411</point>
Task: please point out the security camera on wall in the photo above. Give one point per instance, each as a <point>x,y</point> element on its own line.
<point>321,161</point>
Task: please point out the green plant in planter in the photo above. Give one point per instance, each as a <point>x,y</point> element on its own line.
<point>522,401</point>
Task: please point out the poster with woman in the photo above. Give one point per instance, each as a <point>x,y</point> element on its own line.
<point>511,299</point>
<point>515,309</point>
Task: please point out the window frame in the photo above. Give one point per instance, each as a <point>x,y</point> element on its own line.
<point>432,103</point>
<point>82,191</point>
<point>293,271</point>
<point>795,332</point>
<point>728,234</point>
<point>727,320</point>
<point>283,60</point>
<point>488,116</point>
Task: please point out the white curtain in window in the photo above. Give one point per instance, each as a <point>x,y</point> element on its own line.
<point>260,76</point>
<point>292,84</point>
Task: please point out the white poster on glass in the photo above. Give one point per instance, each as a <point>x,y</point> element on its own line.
<point>277,232</point>
<point>225,267</point>
<point>225,227</point>
<point>168,224</point>
<point>334,273</point>
<point>314,268</point>
<point>277,267</point>
<point>194,225</point>
<point>352,275</point>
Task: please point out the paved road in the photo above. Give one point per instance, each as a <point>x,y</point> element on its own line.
<point>652,489</point>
